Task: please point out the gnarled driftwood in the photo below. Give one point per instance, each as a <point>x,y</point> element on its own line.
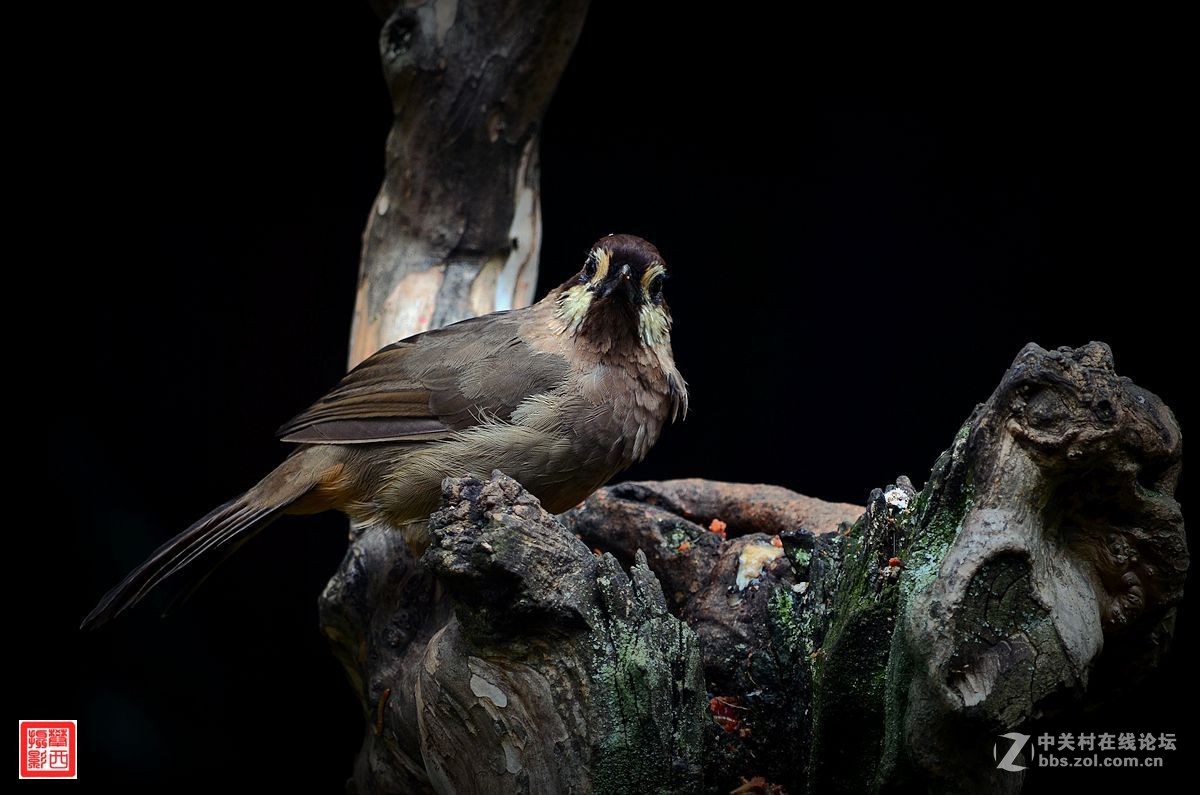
<point>1038,568</point>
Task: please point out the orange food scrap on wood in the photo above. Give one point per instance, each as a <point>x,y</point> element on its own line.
<point>718,527</point>
<point>724,710</point>
<point>685,546</point>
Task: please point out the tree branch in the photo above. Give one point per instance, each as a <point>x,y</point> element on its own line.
<point>456,228</point>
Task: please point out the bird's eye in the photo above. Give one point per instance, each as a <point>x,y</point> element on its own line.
<point>589,268</point>
<point>655,291</point>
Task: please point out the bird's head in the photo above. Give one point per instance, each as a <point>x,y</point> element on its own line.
<point>618,293</point>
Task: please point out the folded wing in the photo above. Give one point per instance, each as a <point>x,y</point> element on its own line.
<point>430,385</point>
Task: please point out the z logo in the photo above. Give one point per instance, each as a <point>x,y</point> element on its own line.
<point>1018,743</point>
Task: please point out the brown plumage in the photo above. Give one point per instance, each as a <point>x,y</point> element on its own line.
<point>560,395</point>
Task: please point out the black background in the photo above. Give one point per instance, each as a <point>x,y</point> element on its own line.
<point>859,249</point>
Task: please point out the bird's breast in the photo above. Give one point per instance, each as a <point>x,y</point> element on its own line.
<point>626,409</point>
<point>616,400</point>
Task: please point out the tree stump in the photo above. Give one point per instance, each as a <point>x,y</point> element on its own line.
<point>1038,570</point>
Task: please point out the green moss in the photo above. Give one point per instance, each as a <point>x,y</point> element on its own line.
<point>849,681</point>
<point>783,609</point>
<point>861,686</point>
<point>937,515</point>
<point>848,710</point>
<point>649,708</point>
<point>675,533</point>
<point>899,674</point>
<point>928,545</point>
<point>801,559</point>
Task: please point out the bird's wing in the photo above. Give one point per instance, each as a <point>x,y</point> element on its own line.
<point>433,384</point>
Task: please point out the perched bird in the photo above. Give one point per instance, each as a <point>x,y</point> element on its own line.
<point>560,395</point>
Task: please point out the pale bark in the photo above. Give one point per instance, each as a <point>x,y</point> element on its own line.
<point>456,228</point>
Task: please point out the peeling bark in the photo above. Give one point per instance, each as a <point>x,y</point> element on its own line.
<point>556,671</point>
<point>585,681</point>
<point>456,228</point>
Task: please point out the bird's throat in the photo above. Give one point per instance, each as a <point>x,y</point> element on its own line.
<point>612,323</point>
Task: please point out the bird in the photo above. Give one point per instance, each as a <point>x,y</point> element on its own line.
<point>561,395</point>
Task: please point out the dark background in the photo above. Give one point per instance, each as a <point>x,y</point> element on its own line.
<point>859,249</point>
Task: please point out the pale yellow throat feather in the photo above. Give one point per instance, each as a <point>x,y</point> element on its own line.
<point>574,302</point>
<point>573,306</point>
<point>653,323</point>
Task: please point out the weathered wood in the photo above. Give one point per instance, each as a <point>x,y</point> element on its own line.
<point>555,672</point>
<point>560,672</point>
<point>456,228</point>
<point>755,594</point>
<point>380,612</point>
<point>671,523</point>
<point>1039,569</point>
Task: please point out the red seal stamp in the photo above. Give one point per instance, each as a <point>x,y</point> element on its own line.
<point>48,748</point>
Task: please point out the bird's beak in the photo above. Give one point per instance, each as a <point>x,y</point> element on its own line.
<point>629,285</point>
<point>621,280</point>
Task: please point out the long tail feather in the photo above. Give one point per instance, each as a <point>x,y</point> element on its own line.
<point>216,535</point>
